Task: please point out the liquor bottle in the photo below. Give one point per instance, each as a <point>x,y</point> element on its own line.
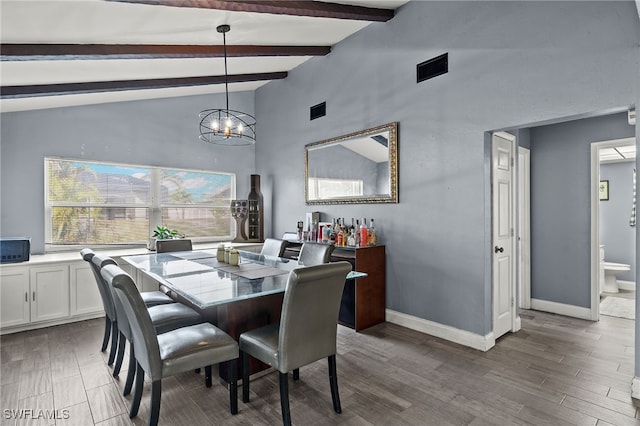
<point>332,232</point>
<point>351,241</point>
<point>356,231</point>
<point>372,234</point>
<point>363,233</point>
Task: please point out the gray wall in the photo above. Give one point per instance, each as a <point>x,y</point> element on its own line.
<point>510,63</point>
<point>561,203</point>
<point>159,132</point>
<point>618,238</point>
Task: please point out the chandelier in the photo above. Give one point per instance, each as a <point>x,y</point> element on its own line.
<point>227,126</point>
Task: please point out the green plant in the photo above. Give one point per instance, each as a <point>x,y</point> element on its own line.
<point>164,233</point>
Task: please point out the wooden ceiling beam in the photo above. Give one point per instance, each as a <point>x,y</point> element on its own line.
<point>104,86</point>
<point>13,52</point>
<point>314,9</point>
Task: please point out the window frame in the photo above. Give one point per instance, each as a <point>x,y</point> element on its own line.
<point>154,206</point>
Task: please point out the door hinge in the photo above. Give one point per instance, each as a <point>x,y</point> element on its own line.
<point>513,161</point>
<point>512,301</point>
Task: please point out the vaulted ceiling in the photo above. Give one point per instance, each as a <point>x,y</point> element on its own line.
<point>69,52</point>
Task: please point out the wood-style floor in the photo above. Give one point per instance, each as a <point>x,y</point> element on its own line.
<point>555,371</point>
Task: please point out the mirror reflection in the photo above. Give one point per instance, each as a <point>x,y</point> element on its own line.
<point>360,167</point>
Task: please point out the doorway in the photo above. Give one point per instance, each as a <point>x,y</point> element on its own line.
<point>598,195</point>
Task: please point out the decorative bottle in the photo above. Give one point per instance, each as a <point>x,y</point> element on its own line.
<point>256,211</point>
<point>372,234</point>
<point>363,233</point>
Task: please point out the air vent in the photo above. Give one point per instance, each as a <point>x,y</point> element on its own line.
<point>433,67</point>
<point>318,111</point>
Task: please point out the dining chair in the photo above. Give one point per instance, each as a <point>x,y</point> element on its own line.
<point>177,244</point>
<point>164,317</point>
<point>315,253</point>
<point>273,247</point>
<point>111,327</point>
<point>306,332</point>
<point>164,355</point>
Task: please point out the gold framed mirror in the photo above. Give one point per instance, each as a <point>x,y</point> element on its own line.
<point>361,167</point>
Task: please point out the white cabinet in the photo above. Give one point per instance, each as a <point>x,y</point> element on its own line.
<point>84,294</point>
<point>49,292</point>
<point>14,296</point>
<point>33,294</point>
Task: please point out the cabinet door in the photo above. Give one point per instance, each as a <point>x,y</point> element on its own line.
<point>85,296</point>
<point>14,296</point>
<point>49,292</point>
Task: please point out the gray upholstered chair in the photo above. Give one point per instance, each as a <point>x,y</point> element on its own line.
<point>315,253</point>
<point>176,351</point>
<point>165,317</point>
<point>306,332</point>
<point>273,247</point>
<point>111,327</point>
<point>178,244</point>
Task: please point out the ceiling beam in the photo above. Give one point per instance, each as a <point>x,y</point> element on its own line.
<point>104,86</point>
<point>32,52</point>
<point>314,9</point>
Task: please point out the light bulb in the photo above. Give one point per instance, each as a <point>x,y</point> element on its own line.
<point>214,125</point>
<point>240,128</point>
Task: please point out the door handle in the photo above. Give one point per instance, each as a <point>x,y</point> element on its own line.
<point>498,249</point>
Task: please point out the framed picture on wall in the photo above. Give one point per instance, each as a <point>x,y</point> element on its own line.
<point>604,190</point>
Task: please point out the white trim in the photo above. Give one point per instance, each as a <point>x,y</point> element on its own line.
<point>452,334</point>
<point>627,285</point>
<point>635,387</point>
<point>524,228</point>
<point>561,309</point>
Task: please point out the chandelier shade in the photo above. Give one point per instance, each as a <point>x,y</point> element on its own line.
<point>224,126</point>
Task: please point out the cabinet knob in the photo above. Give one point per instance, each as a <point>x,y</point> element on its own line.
<point>34,296</point>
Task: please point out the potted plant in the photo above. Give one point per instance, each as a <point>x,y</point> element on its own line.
<point>162,233</point>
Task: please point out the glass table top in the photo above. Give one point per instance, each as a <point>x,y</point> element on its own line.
<point>200,278</point>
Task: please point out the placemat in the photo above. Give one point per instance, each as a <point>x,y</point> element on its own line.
<point>253,271</point>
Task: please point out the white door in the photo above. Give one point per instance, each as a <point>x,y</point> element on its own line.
<point>503,232</point>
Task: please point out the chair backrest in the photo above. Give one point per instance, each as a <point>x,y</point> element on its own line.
<point>144,336</point>
<point>177,244</point>
<point>315,253</point>
<point>309,318</point>
<point>123,323</point>
<point>105,293</point>
<point>273,247</point>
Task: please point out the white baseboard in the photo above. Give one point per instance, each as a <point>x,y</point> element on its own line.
<point>561,309</point>
<point>452,334</point>
<point>635,387</point>
<point>627,285</point>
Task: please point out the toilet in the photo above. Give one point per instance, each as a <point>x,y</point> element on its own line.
<point>610,270</point>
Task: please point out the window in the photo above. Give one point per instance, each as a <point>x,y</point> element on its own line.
<point>103,203</point>
<point>322,188</point>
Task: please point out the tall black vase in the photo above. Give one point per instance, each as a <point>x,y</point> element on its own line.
<point>256,211</point>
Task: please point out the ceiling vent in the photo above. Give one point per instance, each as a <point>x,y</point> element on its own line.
<point>632,116</point>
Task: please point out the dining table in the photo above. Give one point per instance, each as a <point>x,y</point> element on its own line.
<point>235,298</point>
